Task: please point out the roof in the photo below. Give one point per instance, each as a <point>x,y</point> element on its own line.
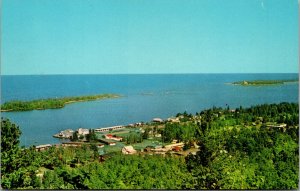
<point>157,120</point>
<point>42,146</point>
<point>82,129</point>
<point>174,145</point>
<point>129,149</point>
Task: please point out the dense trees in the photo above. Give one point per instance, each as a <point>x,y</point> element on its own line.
<point>133,138</point>
<point>238,149</point>
<point>17,165</point>
<point>91,136</point>
<point>123,172</point>
<point>246,158</point>
<point>10,134</point>
<point>181,132</point>
<point>235,154</point>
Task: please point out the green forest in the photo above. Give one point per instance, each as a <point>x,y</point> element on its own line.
<point>242,148</point>
<point>51,103</point>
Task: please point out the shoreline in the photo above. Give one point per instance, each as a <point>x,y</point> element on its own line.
<point>142,125</point>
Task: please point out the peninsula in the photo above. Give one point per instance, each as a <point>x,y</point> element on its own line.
<point>51,103</point>
<point>264,82</point>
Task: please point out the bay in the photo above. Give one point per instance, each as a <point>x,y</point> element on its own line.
<point>144,96</point>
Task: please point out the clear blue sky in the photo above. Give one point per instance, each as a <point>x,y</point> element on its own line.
<point>149,36</point>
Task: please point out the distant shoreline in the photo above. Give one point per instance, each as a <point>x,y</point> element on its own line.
<point>263,82</point>
<point>51,103</point>
<point>139,74</point>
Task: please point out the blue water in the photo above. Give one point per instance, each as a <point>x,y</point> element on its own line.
<point>144,97</point>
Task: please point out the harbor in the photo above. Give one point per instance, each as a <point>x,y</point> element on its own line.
<point>116,138</point>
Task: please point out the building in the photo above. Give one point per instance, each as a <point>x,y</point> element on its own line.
<point>128,150</point>
<point>64,134</point>
<point>100,145</point>
<point>113,137</point>
<point>158,120</point>
<point>135,124</point>
<point>105,129</point>
<point>72,144</point>
<point>82,131</point>
<point>277,125</point>
<point>171,146</point>
<point>42,147</point>
<point>174,120</point>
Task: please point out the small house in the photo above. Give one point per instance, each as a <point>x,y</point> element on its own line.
<point>113,137</point>
<point>128,150</point>
<point>158,120</point>
<point>174,120</point>
<point>277,125</point>
<point>42,147</point>
<point>171,146</point>
<point>82,131</point>
<point>64,134</point>
<point>71,144</point>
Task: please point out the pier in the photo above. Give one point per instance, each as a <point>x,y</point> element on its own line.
<point>105,129</point>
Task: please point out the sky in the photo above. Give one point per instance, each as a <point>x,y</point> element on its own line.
<point>149,36</point>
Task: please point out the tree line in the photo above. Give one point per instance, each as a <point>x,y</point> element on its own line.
<point>51,103</point>
<point>237,151</point>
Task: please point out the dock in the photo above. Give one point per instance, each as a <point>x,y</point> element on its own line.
<point>105,129</point>
<point>66,134</point>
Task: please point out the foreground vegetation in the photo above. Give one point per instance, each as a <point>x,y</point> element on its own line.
<point>239,149</point>
<point>54,103</point>
<point>263,82</point>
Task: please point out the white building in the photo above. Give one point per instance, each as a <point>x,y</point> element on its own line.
<point>159,120</point>
<point>109,128</point>
<point>128,150</point>
<point>82,131</point>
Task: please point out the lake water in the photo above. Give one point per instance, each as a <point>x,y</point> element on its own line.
<point>144,97</point>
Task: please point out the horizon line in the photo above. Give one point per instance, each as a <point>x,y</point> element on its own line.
<point>152,73</point>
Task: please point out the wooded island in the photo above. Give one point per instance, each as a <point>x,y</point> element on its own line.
<point>51,103</point>
<point>263,82</point>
